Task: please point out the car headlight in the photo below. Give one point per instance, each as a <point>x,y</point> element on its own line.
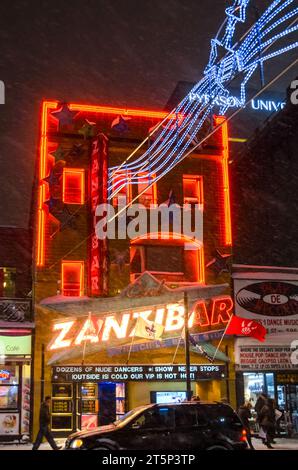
<point>76,444</point>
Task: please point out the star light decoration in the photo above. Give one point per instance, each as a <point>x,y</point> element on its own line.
<point>88,129</point>
<point>59,154</point>
<point>64,115</point>
<point>219,263</point>
<point>230,58</point>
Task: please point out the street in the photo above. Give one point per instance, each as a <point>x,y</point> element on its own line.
<point>281,444</point>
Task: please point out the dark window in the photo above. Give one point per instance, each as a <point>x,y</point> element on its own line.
<point>222,415</point>
<point>156,418</point>
<point>186,416</point>
<point>164,258</point>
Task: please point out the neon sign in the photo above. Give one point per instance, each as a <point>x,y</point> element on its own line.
<point>4,374</point>
<point>101,329</point>
<point>234,102</point>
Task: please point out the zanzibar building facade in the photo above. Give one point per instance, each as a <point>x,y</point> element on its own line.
<point>89,292</point>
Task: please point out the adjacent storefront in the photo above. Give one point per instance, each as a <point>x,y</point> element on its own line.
<point>270,296</point>
<point>15,383</point>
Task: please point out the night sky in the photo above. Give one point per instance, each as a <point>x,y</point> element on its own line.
<point>114,52</point>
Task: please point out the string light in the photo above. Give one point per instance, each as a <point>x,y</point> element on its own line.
<point>244,56</point>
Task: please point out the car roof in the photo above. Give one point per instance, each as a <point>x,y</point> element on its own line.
<point>192,403</point>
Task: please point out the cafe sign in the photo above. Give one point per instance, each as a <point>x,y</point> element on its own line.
<point>15,345</point>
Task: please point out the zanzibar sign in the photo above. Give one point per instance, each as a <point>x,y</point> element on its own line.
<point>136,373</point>
<point>121,326</point>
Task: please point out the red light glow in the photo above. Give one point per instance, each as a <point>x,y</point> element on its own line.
<point>73,186</point>
<point>220,120</point>
<point>72,278</point>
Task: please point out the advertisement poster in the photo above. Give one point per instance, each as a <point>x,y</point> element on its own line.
<point>9,424</point>
<point>253,357</point>
<point>274,303</point>
<point>88,422</point>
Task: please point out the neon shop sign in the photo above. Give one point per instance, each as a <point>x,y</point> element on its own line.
<point>4,374</point>
<point>95,329</point>
<point>234,102</point>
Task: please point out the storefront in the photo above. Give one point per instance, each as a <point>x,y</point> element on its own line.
<point>96,369</point>
<point>15,383</point>
<point>268,369</point>
<point>84,397</point>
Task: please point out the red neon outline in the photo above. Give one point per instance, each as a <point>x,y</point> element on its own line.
<point>122,111</point>
<point>127,190</point>
<point>199,183</point>
<point>201,304</point>
<point>80,171</point>
<point>221,120</point>
<point>225,300</point>
<point>43,154</point>
<point>80,265</point>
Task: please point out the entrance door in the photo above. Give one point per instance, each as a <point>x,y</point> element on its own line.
<point>288,400</point>
<point>107,403</point>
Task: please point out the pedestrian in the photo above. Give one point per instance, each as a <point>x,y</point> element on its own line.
<point>244,413</point>
<point>260,403</point>
<point>267,422</point>
<point>44,430</point>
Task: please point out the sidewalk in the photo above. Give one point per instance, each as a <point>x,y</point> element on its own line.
<point>281,444</point>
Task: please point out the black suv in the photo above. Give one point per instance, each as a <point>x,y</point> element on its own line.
<point>183,426</point>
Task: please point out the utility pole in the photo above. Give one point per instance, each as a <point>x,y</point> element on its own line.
<point>186,342</point>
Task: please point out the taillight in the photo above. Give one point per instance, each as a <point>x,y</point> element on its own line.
<point>243,435</point>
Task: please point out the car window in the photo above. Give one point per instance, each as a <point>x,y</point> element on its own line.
<point>221,414</point>
<point>186,416</point>
<point>156,418</point>
<point>189,416</point>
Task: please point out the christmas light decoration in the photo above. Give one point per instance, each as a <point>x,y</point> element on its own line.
<point>229,59</point>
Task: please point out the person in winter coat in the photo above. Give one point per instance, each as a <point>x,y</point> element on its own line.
<point>267,422</point>
<point>260,403</point>
<point>44,430</point>
<point>244,413</point>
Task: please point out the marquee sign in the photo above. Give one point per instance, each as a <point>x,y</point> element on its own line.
<point>100,329</point>
<point>136,373</point>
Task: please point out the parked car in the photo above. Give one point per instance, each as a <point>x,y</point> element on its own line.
<point>179,426</point>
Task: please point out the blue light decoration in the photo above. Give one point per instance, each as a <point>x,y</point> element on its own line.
<point>229,59</point>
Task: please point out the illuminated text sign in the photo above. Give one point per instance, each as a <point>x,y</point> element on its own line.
<point>136,373</point>
<point>101,329</point>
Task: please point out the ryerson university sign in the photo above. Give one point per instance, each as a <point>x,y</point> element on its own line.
<point>234,102</point>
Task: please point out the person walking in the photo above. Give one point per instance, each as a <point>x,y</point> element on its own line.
<point>267,422</point>
<point>260,403</point>
<point>244,414</point>
<point>44,430</point>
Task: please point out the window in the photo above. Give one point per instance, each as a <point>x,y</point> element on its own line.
<point>123,195</point>
<point>149,195</point>
<point>186,416</point>
<point>162,417</point>
<point>73,186</point>
<point>193,189</point>
<point>164,258</point>
<point>7,282</point>
<point>72,278</point>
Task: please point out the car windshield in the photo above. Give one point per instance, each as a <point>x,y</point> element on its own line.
<point>130,415</point>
